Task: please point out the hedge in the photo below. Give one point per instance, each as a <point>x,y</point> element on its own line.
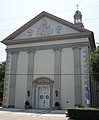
<point>83,113</point>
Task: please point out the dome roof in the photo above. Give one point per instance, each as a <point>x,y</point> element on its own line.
<point>77,12</point>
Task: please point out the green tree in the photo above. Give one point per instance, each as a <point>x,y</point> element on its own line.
<point>93,62</point>
<point>2,72</point>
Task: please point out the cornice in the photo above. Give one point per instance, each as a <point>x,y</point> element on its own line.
<point>47,38</point>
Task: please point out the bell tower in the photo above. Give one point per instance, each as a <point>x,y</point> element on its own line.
<point>78,18</point>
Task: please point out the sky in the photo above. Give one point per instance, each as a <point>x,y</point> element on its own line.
<point>15,13</point>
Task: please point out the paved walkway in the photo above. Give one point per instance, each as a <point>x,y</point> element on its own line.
<point>31,114</point>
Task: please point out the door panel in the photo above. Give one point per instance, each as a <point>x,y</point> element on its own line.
<point>43,97</point>
<point>41,100</point>
<point>47,98</point>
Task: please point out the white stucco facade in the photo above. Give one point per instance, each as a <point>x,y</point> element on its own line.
<point>67,78</point>
<point>46,64</point>
<point>21,80</point>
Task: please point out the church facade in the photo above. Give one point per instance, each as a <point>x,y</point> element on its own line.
<point>46,63</point>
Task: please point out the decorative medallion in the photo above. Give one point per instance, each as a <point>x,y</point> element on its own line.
<point>58,29</point>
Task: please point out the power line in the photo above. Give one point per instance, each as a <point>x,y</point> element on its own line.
<point>55,12</point>
<point>91,19</point>
<point>8,29</point>
<point>19,17</point>
<point>17,28</point>
<point>15,18</point>
<point>94,6</point>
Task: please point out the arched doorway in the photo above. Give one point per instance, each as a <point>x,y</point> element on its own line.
<point>43,93</point>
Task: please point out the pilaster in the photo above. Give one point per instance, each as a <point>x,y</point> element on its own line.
<point>13,79</point>
<point>77,76</point>
<point>57,75</point>
<point>30,75</point>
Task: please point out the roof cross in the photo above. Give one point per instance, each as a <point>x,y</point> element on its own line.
<point>77,6</point>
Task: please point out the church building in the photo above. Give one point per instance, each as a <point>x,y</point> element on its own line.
<point>46,63</point>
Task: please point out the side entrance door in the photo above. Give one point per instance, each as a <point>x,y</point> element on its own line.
<point>43,97</point>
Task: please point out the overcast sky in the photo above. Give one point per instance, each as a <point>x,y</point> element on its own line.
<point>15,13</point>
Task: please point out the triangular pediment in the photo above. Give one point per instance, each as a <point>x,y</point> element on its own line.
<point>43,26</point>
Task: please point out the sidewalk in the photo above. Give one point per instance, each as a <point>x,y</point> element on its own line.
<point>31,114</point>
<point>36,111</point>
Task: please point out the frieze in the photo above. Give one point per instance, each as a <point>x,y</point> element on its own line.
<point>44,29</point>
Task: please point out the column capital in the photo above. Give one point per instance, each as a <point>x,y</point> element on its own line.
<point>12,51</point>
<point>57,49</point>
<point>15,52</point>
<point>31,51</point>
<point>76,47</point>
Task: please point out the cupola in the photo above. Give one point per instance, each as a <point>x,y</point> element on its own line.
<point>78,18</point>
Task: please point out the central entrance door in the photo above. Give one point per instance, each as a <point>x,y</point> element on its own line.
<point>43,97</point>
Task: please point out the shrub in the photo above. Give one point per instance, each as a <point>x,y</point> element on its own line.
<point>27,104</point>
<point>83,113</point>
<point>57,104</point>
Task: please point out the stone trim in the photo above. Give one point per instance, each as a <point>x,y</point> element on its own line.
<point>85,51</point>
<point>6,83</point>
<point>57,75</point>
<point>13,80</point>
<point>77,76</point>
<point>30,72</point>
<point>43,81</point>
<point>51,38</point>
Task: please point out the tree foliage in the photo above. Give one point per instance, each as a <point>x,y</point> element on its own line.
<point>2,72</point>
<point>93,61</point>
